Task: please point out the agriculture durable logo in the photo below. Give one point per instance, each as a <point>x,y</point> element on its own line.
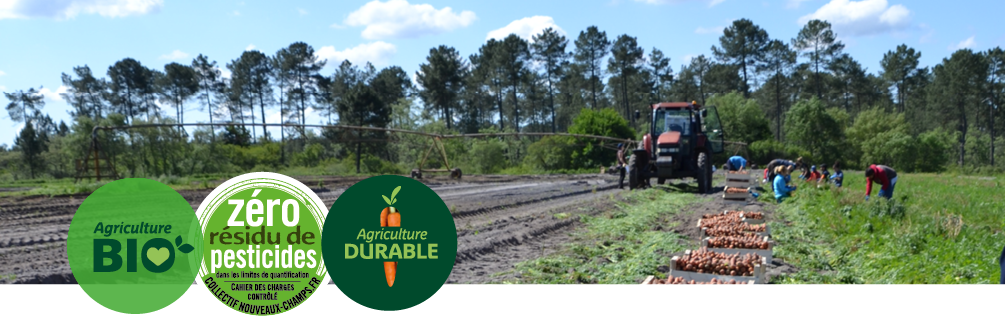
<point>262,243</point>
<point>401,259</point>
<point>133,245</point>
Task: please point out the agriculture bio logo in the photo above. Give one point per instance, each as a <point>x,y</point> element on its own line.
<point>401,259</point>
<point>262,243</point>
<point>130,245</point>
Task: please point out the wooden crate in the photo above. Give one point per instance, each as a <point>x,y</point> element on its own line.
<point>758,278</point>
<point>752,221</point>
<point>651,280</point>
<point>765,253</point>
<point>739,177</point>
<point>735,196</point>
<point>766,233</point>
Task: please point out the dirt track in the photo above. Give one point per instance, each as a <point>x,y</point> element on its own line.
<point>501,220</point>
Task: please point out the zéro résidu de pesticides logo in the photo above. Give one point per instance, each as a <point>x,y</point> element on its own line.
<point>414,245</point>
<point>133,245</point>
<point>262,247</point>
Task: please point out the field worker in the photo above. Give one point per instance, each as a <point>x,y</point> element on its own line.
<point>622,165</point>
<point>824,174</point>
<point>769,170</point>
<point>1001,262</point>
<point>736,163</point>
<point>781,184</point>
<point>838,177</point>
<point>882,175</point>
<point>813,175</point>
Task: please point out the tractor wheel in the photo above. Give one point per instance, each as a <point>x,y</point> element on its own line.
<point>704,177</point>
<point>633,178</point>
<point>661,180</point>
<point>455,173</point>
<point>416,174</point>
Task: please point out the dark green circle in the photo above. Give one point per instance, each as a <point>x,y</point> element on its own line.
<point>363,280</point>
<point>132,286</point>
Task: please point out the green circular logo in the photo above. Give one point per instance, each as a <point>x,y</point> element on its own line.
<point>390,242</point>
<point>134,245</point>
<point>262,243</point>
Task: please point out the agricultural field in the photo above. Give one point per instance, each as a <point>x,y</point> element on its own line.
<point>552,229</point>
<point>500,219</point>
<point>939,228</point>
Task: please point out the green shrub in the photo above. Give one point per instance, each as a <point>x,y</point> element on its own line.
<point>312,155</point>
<point>550,153</point>
<point>762,152</point>
<point>488,156</point>
<point>604,122</point>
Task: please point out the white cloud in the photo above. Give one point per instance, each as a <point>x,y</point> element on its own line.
<point>715,2</point>
<point>703,30</point>
<point>968,43</point>
<point>860,18</point>
<point>66,9</point>
<point>378,53</point>
<point>53,96</point>
<point>526,28</point>
<point>399,19</point>
<point>250,47</point>
<point>2,73</point>
<point>302,11</point>
<point>236,13</point>
<point>224,72</point>
<point>175,55</point>
<point>793,4</point>
<point>3,88</point>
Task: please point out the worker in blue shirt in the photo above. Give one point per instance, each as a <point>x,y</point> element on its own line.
<point>838,177</point>
<point>1001,262</point>
<point>781,183</point>
<point>736,163</point>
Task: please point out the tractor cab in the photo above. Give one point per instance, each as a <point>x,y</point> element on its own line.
<point>681,140</point>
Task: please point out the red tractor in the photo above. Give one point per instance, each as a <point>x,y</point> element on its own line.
<point>681,141</point>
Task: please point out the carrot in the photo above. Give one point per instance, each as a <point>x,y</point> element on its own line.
<point>390,269</point>
<point>383,216</point>
<point>394,218</point>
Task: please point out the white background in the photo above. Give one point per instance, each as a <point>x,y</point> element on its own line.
<point>562,303</point>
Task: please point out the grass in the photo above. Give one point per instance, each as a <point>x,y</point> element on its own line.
<point>622,247</point>
<point>938,229</point>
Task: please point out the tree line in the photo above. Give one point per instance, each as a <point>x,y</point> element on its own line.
<point>779,97</point>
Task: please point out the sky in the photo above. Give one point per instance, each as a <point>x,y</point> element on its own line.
<point>41,39</point>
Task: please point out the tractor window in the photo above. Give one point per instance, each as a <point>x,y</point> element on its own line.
<point>673,120</point>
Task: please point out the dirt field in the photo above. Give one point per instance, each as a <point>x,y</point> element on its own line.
<point>501,220</point>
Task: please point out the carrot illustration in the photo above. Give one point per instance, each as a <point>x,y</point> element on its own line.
<point>390,269</point>
<point>383,216</point>
<point>390,217</point>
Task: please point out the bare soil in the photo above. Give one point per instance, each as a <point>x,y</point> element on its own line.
<point>501,220</point>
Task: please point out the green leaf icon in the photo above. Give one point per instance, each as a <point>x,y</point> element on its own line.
<point>387,200</point>
<point>393,201</point>
<point>177,241</point>
<point>395,193</point>
<point>186,248</point>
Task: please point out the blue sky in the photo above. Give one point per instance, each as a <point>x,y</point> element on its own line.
<point>43,38</point>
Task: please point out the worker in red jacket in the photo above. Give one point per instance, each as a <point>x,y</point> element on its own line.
<point>882,175</point>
